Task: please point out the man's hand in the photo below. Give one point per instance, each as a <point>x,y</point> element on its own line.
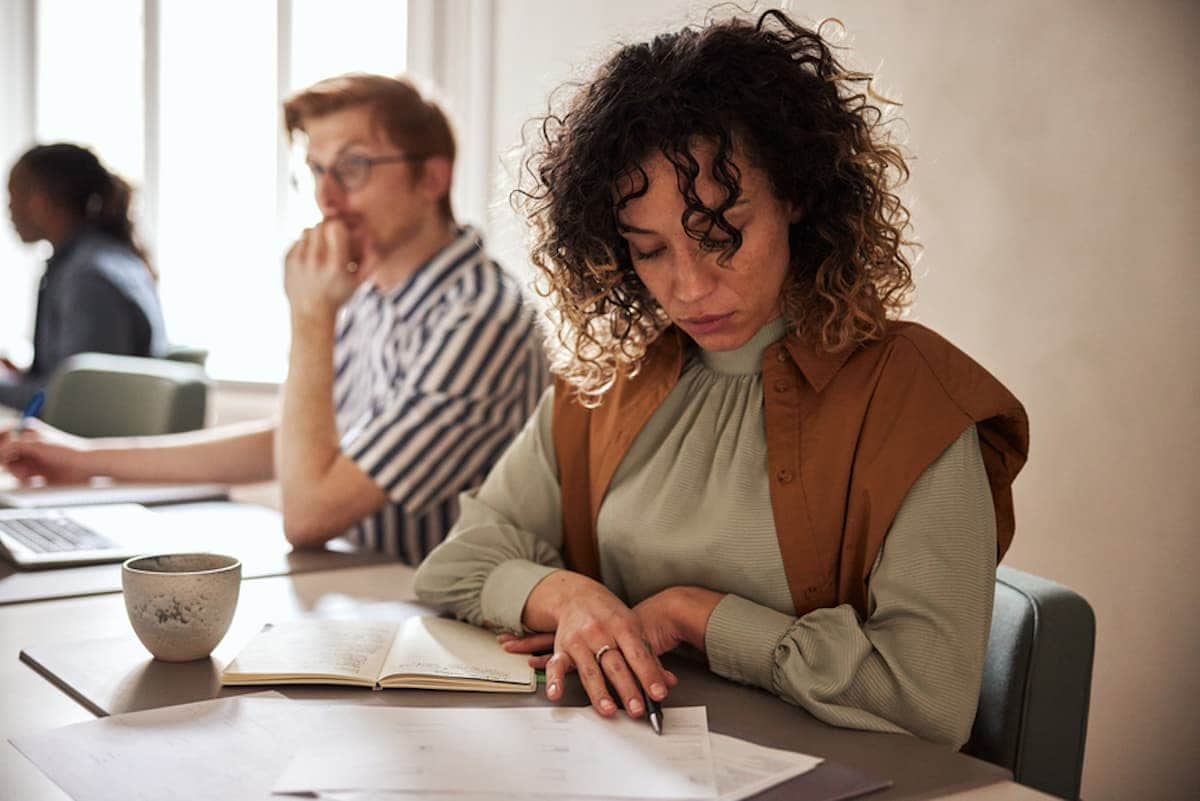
<point>41,450</point>
<point>320,272</point>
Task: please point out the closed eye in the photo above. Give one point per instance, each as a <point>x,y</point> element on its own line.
<point>640,256</point>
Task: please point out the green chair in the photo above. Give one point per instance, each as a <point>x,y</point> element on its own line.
<point>101,395</point>
<point>187,353</point>
<point>1037,681</point>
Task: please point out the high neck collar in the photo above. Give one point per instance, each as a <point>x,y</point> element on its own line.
<point>747,359</point>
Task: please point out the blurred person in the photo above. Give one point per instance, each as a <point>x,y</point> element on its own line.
<point>413,359</point>
<point>98,292</point>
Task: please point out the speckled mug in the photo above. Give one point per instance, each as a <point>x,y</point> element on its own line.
<point>180,604</point>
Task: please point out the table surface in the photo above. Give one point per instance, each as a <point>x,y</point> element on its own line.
<point>254,534</point>
<point>127,678</point>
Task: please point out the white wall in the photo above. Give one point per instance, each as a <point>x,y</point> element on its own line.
<point>1056,187</point>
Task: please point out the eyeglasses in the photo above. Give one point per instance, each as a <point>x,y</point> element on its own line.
<point>351,171</point>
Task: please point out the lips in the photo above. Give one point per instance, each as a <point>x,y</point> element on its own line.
<point>706,323</point>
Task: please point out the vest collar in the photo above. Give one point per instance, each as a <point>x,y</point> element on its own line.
<point>816,365</point>
<point>664,360</point>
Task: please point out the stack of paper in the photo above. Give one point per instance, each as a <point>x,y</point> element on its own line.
<point>248,747</point>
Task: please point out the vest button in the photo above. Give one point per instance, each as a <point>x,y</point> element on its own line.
<point>784,476</point>
<point>782,385</point>
<point>781,355</point>
<point>813,590</point>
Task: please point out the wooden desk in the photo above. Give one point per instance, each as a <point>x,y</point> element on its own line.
<point>252,533</point>
<point>30,703</point>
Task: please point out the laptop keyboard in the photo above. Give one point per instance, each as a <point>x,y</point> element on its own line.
<point>54,533</point>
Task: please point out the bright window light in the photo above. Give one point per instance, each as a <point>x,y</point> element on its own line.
<point>220,232</point>
<point>332,39</point>
<point>89,79</point>
<point>219,248</point>
<point>348,36</point>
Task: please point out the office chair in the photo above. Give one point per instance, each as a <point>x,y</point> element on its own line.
<point>101,395</point>
<point>187,353</point>
<point>1037,679</point>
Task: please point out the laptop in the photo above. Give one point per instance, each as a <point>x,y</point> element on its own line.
<point>104,491</point>
<point>79,535</point>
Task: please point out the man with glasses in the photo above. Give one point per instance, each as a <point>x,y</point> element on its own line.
<point>413,362</point>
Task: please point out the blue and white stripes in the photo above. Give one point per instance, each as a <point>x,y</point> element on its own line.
<point>432,381</point>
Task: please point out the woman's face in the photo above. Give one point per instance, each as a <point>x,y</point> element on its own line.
<point>23,202</point>
<point>719,306</point>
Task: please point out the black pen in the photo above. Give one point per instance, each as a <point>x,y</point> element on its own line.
<point>654,712</point>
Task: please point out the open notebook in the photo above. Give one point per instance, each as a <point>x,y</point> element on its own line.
<point>430,653</point>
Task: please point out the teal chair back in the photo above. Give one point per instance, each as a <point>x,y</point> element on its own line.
<point>1037,681</point>
<point>187,353</point>
<point>101,395</point>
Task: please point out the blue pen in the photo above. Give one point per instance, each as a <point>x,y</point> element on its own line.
<point>31,409</point>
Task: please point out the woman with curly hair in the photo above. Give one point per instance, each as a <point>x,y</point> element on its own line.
<point>744,451</point>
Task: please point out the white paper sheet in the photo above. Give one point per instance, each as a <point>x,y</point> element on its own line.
<point>548,751</point>
<point>225,750</point>
<point>741,769</point>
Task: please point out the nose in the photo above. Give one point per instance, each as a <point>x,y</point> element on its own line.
<point>330,195</point>
<point>695,278</point>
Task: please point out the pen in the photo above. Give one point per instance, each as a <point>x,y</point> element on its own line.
<point>31,409</point>
<point>654,712</point>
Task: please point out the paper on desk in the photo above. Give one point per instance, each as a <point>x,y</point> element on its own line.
<point>226,749</point>
<point>744,769</point>
<point>741,770</point>
<point>554,751</point>
<point>103,492</point>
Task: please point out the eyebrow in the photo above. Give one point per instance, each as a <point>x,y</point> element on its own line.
<point>626,228</point>
<point>340,151</point>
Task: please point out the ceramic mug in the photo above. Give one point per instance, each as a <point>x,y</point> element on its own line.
<point>181,604</point>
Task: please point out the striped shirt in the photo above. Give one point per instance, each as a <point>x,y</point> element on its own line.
<point>432,380</point>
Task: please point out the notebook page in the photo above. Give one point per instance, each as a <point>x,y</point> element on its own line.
<point>439,647</point>
<point>296,649</point>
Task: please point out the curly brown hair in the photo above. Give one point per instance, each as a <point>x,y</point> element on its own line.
<point>774,90</point>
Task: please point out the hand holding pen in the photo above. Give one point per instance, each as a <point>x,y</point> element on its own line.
<point>614,649</point>
<point>31,411</point>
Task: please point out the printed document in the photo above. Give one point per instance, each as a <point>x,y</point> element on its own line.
<point>549,751</point>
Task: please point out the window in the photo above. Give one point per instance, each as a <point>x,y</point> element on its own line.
<point>200,135</point>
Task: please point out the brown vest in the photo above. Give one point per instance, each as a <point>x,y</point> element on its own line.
<point>848,434</point>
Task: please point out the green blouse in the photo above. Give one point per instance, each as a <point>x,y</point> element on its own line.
<point>690,505</point>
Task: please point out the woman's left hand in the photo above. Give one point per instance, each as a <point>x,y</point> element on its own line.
<point>677,615</point>
<point>673,616</point>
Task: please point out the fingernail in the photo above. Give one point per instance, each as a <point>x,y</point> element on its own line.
<point>608,706</point>
<point>552,688</point>
<point>658,691</point>
<point>634,706</point>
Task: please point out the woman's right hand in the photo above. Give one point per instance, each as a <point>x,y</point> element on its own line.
<point>44,451</point>
<point>585,617</point>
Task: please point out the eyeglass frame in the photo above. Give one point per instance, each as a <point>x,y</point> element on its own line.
<point>369,162</point>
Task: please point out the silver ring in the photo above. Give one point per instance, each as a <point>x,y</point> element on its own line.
<point>604,649</point>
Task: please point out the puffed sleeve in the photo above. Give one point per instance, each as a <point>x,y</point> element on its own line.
<point>508,536</point>
<point>915,664</point>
